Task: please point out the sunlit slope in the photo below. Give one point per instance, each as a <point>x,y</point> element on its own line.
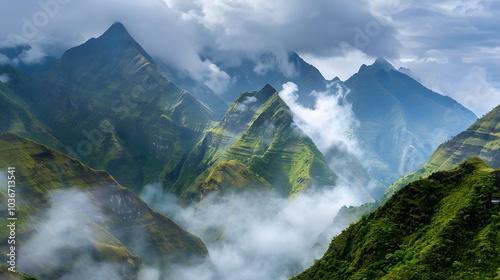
<point>258,137</point>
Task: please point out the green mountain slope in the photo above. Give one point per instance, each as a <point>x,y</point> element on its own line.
<point>481,139</point>
<point>257,136</point>
<point>443,227</point>
<point>401,121</point>
<point>17,116</point>
<point>69,214</point>
<point>110,106</point>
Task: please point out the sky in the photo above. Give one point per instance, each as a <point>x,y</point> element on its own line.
<point>451,47</point>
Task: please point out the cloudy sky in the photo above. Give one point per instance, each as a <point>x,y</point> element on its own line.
<point>453,47</point>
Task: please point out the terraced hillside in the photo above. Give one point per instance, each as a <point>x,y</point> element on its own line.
<point>70,215</point>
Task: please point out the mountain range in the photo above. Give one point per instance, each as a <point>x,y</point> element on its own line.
<point>98,124</point>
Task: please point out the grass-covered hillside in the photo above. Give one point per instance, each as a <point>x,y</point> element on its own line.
<point>111,107</point>
<point>446,226</point>
<point>257,138</point>
<point>69,214</point>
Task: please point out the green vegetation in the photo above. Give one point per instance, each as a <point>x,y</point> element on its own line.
<point>482,139</point>
<point>256,137</point>
<point>123,232</point>
<point>8,275</point>
<point>442,227</point>
<point>108,105</point>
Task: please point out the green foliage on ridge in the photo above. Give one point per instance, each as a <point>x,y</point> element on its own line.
<point>258,133</point>
<point>481,139</point>
<point>117,227</point>
<point>442,227</point>
<point>110,106</point>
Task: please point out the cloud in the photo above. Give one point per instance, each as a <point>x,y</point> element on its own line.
<point>34,55</point>
<point>259,26</point>
<point>472,85</point>
<point>243,106</point>
<point>58,230</point>
<point>278,60</point>
<point>184,33</point>
<point>342,66</point>
<point>262,236</point>
<point>330,123</point>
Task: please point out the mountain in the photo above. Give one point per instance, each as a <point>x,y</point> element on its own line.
<point>401,121</point>
<point>442,227</point>
<point>214,101</point>
<point>111,107</point>
<point>275,70</point>
<point>71,217</point>
<point>256,138</point>
<point>16,114</point>
<point>481,139</point>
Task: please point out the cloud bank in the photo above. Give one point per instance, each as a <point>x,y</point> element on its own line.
<point>251,236</point>
<point>184,33</point>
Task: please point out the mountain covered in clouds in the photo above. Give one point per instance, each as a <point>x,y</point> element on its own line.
<point>111,107</point>
<point>401,122</point>
<point>68,211</point>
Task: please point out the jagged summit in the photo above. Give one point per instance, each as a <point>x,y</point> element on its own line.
<point>116,43</point>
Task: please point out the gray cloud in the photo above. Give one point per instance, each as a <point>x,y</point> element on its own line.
<point>332,34</point>
<point>182,32</point>
<point>452,46</point>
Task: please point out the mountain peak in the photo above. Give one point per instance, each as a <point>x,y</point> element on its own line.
<point>115,44</point>
<point>118,32</point>
<point>382,63</point>
<point>267,91</point>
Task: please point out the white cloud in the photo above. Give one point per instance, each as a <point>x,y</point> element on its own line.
<point>246,103</point>
<point>342,66</point>
<point>34,55</point>
<point>330,123</point>
<point>213,77</point>
<point>264,236</point>
<point>4,78</point>
<point>470,84</point>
